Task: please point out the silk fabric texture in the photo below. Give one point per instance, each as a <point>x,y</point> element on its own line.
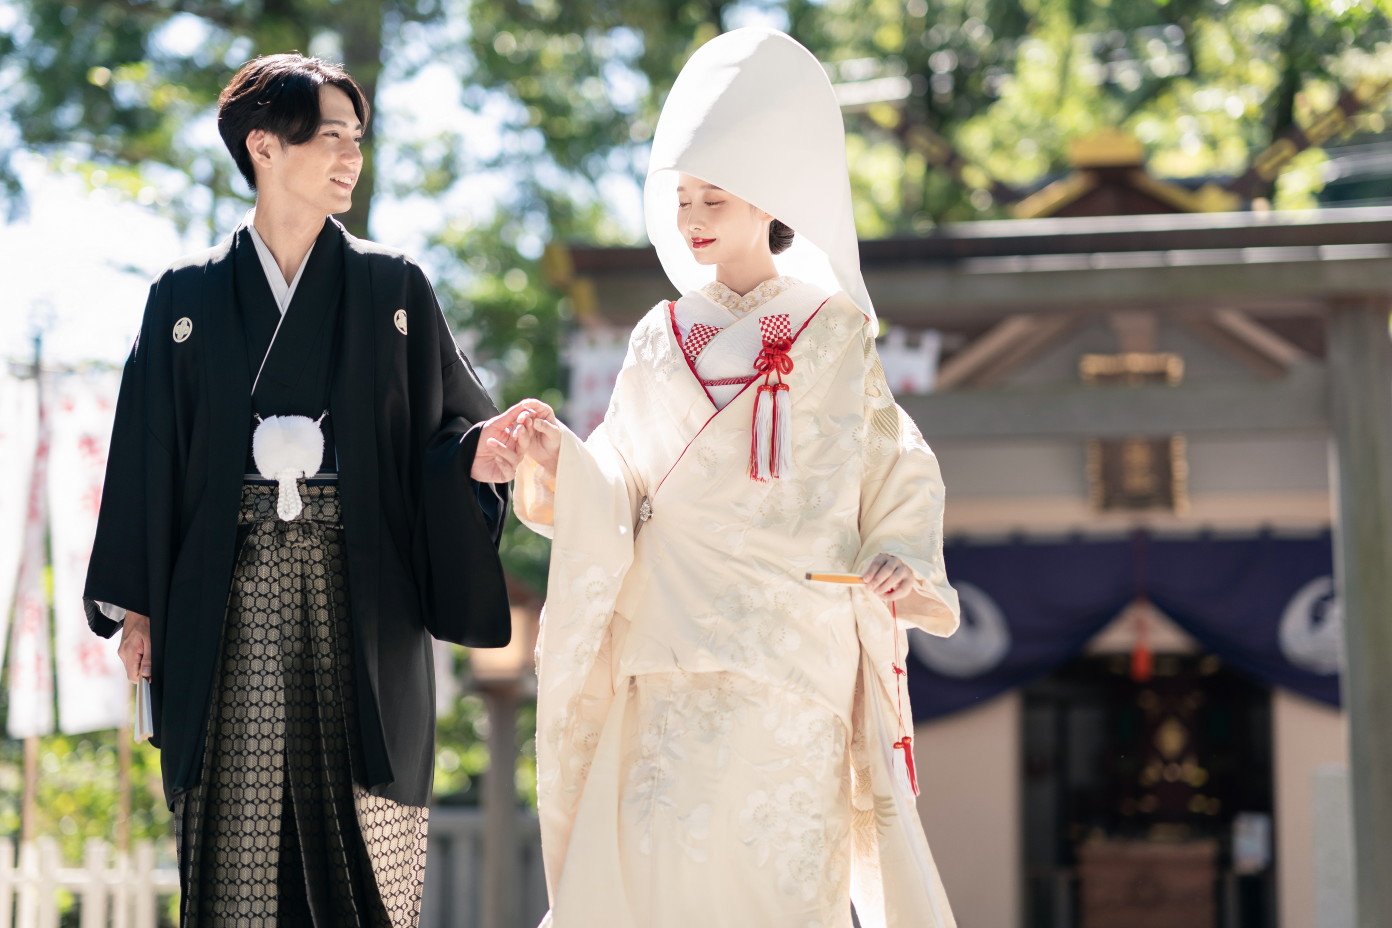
<point>713,584</point>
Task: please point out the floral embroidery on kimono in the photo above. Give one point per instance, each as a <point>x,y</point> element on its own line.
<point>715,732</point>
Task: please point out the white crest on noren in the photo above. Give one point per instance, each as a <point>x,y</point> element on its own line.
<point>1312,628</point>
<point>979,644</point>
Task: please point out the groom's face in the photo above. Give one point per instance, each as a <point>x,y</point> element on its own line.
<point>318,175</point>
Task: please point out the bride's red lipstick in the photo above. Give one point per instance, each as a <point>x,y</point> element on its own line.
<point>701,242</point>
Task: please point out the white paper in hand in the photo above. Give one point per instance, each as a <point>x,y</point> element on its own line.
<point>144,711</point>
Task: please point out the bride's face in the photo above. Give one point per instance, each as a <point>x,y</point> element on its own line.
<point>717,226</point>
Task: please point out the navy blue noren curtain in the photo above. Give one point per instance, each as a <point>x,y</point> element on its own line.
<point>1265,605</point>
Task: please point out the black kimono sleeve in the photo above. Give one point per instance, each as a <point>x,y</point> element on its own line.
<point>459,574</point>
<point>118,572</point>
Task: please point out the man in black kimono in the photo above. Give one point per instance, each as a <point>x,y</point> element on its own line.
<point>285,626</point>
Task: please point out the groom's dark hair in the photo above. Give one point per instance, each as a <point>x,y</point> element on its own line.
<point>280,94</point>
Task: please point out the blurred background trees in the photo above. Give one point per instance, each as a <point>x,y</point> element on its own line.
<point>501,125</point>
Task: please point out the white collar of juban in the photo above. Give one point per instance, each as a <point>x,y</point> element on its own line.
<point>753,113</point>
<point>282,291</point>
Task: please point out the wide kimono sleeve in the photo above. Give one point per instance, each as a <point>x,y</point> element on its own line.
<point>589,510</point>
<point>459,521</point>
<point>119,572</point>
<point>901,507</point>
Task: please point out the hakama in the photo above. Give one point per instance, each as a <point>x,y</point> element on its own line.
<point>279,830</point>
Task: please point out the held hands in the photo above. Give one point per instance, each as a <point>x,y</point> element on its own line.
<point>497,456</point>
<point>888,578</point>
<point>538,433</point>
<point>134,649</point>
<point>527,428</point>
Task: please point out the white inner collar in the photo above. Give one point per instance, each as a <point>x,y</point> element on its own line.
<point>722,295</point>
<point>282,291</point>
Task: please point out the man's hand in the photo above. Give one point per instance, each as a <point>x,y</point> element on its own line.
<point>888,578</point>
<point>134,649</point>
<point>497,456</point>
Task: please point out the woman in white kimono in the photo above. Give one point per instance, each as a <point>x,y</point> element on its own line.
<point>723,740</point>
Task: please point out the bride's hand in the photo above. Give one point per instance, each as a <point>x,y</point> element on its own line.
<point>539,434</point>
<point>888,578</point>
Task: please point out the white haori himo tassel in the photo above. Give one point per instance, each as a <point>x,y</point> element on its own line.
<point>771,444</point>
<point>286,448</point>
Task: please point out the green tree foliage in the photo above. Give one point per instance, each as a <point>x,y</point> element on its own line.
<point>77,790</point>
<point>127,87</point>
<point>1204,84</point>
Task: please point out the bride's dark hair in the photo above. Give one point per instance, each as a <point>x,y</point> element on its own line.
<point>780,237</point>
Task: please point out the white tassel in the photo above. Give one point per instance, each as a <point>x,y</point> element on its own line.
<point>760,466</point>
<point>286,448</point>
<point>782,432</point>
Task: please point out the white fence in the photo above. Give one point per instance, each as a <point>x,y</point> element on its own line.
<point>454,870</point>
<point>116,890</point>
<point>129,891</point>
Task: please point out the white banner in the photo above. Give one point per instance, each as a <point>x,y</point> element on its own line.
<point>31,665</point>
<point>19,430</point>
<point>595,356</point>
<point>910,368</point>
<point>93,693</point>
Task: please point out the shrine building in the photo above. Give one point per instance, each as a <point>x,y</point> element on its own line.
<point>1144,410</point>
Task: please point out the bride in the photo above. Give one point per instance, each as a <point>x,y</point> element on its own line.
<point>723,723</point>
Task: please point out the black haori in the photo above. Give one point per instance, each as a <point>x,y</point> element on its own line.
<point>279,831</point>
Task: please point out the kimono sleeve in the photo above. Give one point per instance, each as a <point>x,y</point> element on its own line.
<point>118,572</point>
<point>456,552</point>
<point>596,469</point>
<point>901,508</point>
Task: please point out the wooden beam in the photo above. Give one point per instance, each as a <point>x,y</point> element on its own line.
<point>1360,365</point>
<point>1206,327</point>
<point>1261,339</point>
<point>1165,282</point>
<point>959,369</point>
<point>1048,331</point>
<point>1298,401</point>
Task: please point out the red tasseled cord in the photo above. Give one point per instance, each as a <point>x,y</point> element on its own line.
<point>773,361</point>
<point>754,437</point>
<point>905,744</point>
<point>778,434</point>
<point>759,469</point>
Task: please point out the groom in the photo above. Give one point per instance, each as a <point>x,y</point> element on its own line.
<point>290,658</point>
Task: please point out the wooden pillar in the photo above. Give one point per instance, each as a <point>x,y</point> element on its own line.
<point>1360,383</point>
<point>501,895</point>
<point>123,789</point>
<point>29,801</point>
